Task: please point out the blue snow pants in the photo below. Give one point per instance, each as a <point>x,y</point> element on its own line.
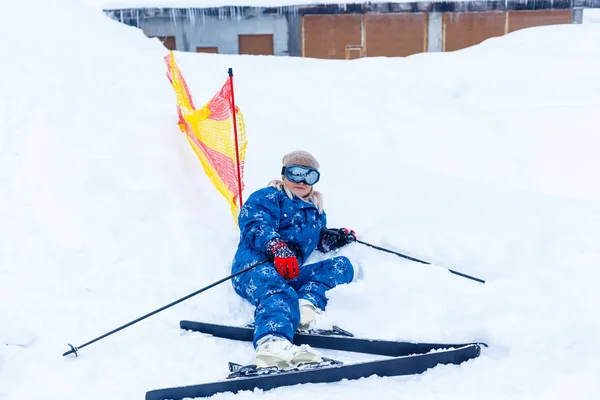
<point>276,300</point>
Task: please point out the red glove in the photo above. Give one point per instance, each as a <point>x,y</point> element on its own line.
<point>284,259</point>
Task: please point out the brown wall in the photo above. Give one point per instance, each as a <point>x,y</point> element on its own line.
<point>526,19</point>
<point>168,41</point>
<point>392,35</point>
<point>395,35</point>
<point>460,30</point>
<point>256,44</point>
<point>326,36</point>
<point>207,50</point>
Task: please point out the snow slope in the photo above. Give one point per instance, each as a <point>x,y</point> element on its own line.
<point>591,16</point>
<point>483,160</point>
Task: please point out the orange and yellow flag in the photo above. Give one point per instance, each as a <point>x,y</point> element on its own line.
<point>212,132</point>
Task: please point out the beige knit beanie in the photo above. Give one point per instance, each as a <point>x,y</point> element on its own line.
<point>300,157</point>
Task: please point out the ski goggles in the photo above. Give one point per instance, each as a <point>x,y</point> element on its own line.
<point>299,173</point>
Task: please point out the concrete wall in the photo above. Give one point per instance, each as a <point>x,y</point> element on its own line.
<point>220,33</point>
<point>434,36</point>
<point>577,16</point>
<point>294,35</point>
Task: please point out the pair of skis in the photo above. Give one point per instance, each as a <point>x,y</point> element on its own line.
<point>408,358</point>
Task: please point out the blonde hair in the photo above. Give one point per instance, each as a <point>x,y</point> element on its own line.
<point>313,196</point>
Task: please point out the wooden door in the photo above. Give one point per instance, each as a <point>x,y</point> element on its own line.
<point>396,35</point>
<point>168,41</point>
<point>329,36</point>
<point>214,50</point>
<point>256,44</point>
<point>464,29</point>
<point>526,19</point>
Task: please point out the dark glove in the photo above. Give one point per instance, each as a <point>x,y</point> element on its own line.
<point>333,239</point>
<point>284,259</point>
<point>348,236</point>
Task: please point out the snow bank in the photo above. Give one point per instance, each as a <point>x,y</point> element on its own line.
<point>481,160</point>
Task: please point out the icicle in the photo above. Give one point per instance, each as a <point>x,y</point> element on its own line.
<point>190,16</point>
<point>174,17</point>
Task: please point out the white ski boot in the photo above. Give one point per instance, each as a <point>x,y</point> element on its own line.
<point>275,351</point>
<point>307,313</point>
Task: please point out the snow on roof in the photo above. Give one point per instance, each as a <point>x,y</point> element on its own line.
<point>123,4</point>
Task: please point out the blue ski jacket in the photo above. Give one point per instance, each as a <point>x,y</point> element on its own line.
<point>269,213</point>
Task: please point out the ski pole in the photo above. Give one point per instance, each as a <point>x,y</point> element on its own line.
<point>419,261</point>
<point>75,349</point>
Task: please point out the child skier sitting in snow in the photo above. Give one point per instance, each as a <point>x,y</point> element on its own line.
<point>285,223</point>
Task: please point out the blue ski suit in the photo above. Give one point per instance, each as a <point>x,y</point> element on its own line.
<point>269,213</point>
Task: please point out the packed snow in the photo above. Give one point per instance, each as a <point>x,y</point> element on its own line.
<point>483,160</point>
<point>591,16</point>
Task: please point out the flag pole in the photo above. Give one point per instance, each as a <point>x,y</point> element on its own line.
<point>237,150</point>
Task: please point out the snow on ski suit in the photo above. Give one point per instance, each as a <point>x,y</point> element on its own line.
<point>269,213</point>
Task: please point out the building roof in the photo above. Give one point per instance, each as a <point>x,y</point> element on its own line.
<point>124,4</point>
<point>139,4</point>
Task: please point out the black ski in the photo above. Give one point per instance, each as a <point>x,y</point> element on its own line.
<point>406,365</point>
<point>327,340</point>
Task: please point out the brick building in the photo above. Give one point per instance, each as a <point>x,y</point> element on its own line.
<point>347,31</point>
